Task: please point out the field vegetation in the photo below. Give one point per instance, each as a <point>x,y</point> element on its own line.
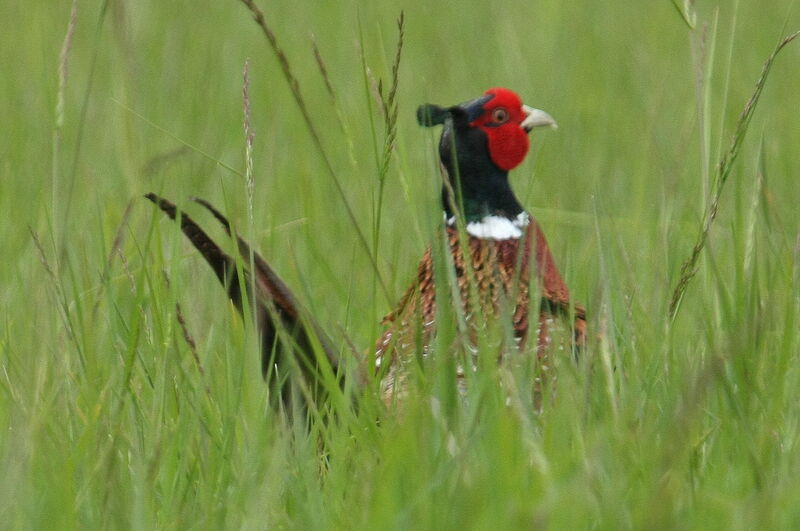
<point>130,390</point>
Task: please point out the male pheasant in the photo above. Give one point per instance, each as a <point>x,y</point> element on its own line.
<point>505,259</point>
<point>506,250</point>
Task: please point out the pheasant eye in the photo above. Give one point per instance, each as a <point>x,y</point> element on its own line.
<point>500,115</point>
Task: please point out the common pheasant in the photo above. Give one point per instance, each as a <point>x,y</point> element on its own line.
<point>504,261</point>
<point>482,140</point>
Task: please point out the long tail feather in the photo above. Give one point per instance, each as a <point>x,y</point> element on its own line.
<point>276,306</point>
<point>265,276</point>
<point>270,282</point>
<point>222,264</point>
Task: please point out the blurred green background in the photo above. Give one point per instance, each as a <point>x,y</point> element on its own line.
<point>107,422</point>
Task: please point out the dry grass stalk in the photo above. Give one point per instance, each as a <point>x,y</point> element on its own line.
<point>294,86</point>
<point>323,69</point>
<point>188,337</point>
<point>388,104</point>
<point>63,74</point>
<point>43,256</point>
<point>59,292</point>
<point>723,170</point>
<point>249,136</point>
<point>63,64</point>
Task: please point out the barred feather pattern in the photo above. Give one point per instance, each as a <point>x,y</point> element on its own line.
<point>497,275</point>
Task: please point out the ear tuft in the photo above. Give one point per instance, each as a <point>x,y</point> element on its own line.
<point>430,115</point>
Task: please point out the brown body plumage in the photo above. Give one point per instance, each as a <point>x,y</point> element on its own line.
<point>495,276</point>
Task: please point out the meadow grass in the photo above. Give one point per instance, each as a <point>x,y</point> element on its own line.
<point>130,390</point>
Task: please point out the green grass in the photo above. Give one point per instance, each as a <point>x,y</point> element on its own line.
<point>107,419</point>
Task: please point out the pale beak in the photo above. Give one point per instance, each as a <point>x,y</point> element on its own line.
<point>536,118</point>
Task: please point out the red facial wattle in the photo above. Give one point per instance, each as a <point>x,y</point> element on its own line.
<point>508,141</point>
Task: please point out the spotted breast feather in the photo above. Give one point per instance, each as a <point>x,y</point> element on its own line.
<point>496,281</point>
